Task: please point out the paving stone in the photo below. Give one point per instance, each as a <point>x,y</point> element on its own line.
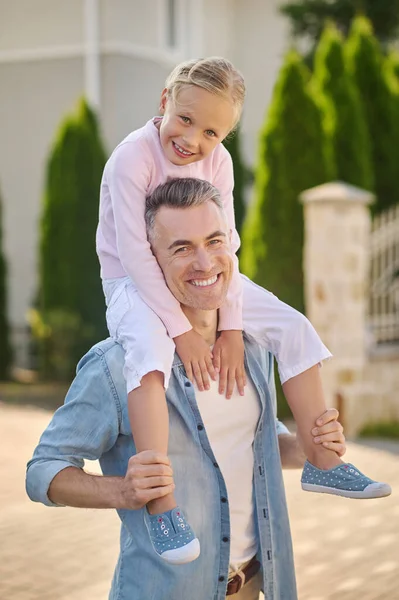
<point>344,549</point>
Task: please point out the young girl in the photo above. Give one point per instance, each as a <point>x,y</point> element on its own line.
<point>201,104</point>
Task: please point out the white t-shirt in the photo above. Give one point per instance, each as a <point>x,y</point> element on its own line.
<point>230,426</point>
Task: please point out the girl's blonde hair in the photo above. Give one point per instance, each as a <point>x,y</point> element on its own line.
<point>214,74</point>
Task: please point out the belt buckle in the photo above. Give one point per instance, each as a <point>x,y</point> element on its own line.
<point>241,576</point>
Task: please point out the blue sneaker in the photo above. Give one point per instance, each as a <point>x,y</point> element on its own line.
<point>172,537</point>
<point>343,480</point>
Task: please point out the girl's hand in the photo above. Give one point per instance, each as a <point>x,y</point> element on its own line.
<point>196,356</point>
<point>228,360</point>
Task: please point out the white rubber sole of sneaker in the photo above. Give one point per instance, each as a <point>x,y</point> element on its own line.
<point>183,555</point>
<point>373,490</point>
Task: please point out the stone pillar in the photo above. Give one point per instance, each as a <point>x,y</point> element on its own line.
<point>336,267</point>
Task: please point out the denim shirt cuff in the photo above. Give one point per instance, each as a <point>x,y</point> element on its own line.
<point>39,478</point>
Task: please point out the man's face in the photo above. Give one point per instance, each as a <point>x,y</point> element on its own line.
<point>192,246</point>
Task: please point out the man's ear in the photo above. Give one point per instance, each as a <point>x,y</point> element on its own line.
<point>164,99</point>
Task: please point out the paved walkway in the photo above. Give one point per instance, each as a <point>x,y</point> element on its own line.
<point>344,549</point>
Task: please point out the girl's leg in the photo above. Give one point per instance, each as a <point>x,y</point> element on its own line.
<point>149,420</point>
<point>304,394</point>
<point>149,355</point>
<point>298,349</point>
<point>291,338</point>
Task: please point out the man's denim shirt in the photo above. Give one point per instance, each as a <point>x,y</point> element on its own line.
<point>93,424</point>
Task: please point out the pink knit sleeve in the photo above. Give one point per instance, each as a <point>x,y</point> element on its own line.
<point>230,314</point>
<point>128,176</point>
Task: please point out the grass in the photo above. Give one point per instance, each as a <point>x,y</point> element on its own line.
<point>383,429</point>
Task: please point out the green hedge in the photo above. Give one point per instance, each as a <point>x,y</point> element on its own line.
<point>71,310</point>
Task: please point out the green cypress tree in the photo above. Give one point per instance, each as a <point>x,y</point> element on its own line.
<point>344,118</point>
<point>241,176</point>
<point>71,302</point>
<point>392,63</point>
<point>366,64</point>
<point>308,17</point>
<point>5,346</point>
<point>293,156</point>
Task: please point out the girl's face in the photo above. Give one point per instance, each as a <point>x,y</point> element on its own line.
<point>194,124</point>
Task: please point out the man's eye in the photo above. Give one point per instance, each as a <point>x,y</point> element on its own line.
<point>210,133</point>
<point>215,242</point>
<point>182,249</point>
<point>185,119</point>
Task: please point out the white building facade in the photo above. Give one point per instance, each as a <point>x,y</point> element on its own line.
<point>117,53</point>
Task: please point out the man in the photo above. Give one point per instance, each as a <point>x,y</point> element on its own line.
<point>225,453</point>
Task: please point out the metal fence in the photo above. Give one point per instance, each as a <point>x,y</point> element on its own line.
<point>384,272</point>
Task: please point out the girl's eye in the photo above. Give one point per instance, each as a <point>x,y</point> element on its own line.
<point>210,133</point>
<point>185,119</point>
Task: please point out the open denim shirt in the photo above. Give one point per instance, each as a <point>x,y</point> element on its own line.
<point>93,424</point>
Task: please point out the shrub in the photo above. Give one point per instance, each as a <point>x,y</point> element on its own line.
<point>69,271</point>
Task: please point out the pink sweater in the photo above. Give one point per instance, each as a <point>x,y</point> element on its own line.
<point>136,167</point>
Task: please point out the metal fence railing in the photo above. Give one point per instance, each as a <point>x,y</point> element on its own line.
<point>383,318</point>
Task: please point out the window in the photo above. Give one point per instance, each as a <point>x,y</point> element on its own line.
<point>180,27</point>
<point>171,24</point>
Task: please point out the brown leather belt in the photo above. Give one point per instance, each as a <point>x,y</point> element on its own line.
<point>242,577</point>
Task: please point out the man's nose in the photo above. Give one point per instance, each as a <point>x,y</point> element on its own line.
<point>202,261</point>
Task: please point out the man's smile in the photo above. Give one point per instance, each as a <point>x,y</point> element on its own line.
<point>205,282</point>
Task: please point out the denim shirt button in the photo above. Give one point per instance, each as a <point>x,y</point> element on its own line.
<point>225,539</point>
<point>187,384</point>
<point>223,499</point>
<point>221,578</point>
<point>200,427</point>
<point>215,465</point>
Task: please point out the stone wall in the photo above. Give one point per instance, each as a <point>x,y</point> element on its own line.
<point>361,380</point>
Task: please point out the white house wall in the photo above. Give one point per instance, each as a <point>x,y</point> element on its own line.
<point>131,90</point>
<point>34,98</point>
<point>40,23</point>
<point>260,41</point>
<point>132,22</point>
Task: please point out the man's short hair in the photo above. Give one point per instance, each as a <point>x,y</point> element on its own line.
<point>179,193</point>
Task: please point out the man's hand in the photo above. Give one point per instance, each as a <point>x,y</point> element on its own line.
<point>228,353</point>
<point>149,476</point>
<point>329,432</point>
<point>196,356</point>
